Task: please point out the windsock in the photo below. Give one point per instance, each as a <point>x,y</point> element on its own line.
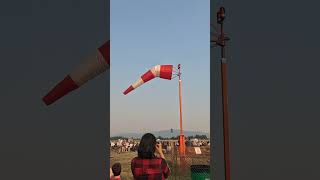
<point>84,72</point>
<point>161,71</point>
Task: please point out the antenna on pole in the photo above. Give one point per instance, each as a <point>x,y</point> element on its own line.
<point>222,42</point>
<point>179,71</point>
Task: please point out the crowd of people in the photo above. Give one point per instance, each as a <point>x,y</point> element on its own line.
<point>197,143</point>
<point>123,145</point>
<point>130,145</point>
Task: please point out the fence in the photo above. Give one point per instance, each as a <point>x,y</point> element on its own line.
<point>180,166</point>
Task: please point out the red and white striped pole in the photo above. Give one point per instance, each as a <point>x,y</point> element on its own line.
<point>85,72</point>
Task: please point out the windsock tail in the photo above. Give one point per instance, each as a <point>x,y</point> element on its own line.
<point>130,88</point>
<point>64,87</point>
<point>86,71</point>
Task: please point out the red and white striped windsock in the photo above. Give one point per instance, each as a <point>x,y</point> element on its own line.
<point>161,71</point>
<point>83,73</point>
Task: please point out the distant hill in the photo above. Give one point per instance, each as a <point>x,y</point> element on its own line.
<point>163,133</point>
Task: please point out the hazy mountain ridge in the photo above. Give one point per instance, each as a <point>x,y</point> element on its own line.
<point>163,133</point>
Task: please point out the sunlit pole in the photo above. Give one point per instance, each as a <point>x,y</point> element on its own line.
<point>181,137</point>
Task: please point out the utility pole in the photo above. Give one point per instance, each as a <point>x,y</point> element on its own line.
<point>224,88</point>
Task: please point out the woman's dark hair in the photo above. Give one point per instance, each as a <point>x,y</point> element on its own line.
<point>147,146</point>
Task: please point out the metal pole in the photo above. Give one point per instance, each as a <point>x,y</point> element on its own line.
<point>181,137</point>
<point>224,87</point>
<point>180,105</point>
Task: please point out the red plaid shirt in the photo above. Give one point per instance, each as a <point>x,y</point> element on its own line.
<point>115,178</point>
<point>149,169</point>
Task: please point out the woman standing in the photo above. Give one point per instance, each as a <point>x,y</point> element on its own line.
<point>147,166</point>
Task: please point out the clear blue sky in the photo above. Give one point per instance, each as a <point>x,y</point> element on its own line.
<point>145,33</point>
